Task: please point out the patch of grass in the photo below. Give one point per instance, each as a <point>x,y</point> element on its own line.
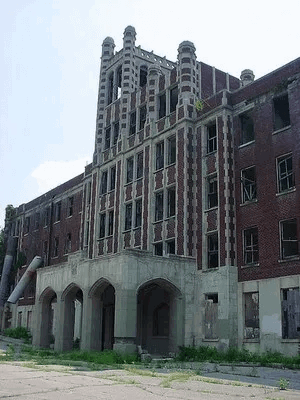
<point>176,376</point>
<point>18,333</point>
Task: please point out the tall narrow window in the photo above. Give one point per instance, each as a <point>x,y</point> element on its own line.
<point>162,106</point>
<point>119,81</point>
<point>70,206</point>
<point>248,184</point>
<point>128,216</point>
<point>158,249</point>
<point>37,221</point>
<point>211,138</point>
<point>143,114</point>
<point>171,202</point>
<point>250,246</point>
<point>55,247</point>
<point>110,88</point>
<point>212,251</point>
<point>116,132</point>
<point>143,75</point>
<point>138,213</point>
<point>247,127</point>
<point>251,326</point>
<point>281,112</point>
<point>171,150</point>
<point>160,155</point>
<point>129,172</point>
<point>107,138</point>
<point>212,192</point>
<point>159,206</point>
<point>47,216</point>
<point>57,211</point>
<point>173,99</point>
<point>132,123</point>
<point>68,244</point>
<point>27,224</point>
<point>290,305</point>
<point>102,226</point>
<point>289,238</point>
<point>110,222</point>
<point>140,165</point>
<point>285,173</point>
<point>171,249</point>
<point>103,188</point>
<point>112,178</point>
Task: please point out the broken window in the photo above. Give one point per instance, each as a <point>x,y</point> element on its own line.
<point>159,206</point>
<point>211,316</point>
<point>143,75</point>
<point>129,175</point>
<point>248,184</point>
<point>143,114</point>
<point>173,99</point>
<point>212,192</point>
<point>289,241</point>
<point>140,165</point>
<point>161,320</point>
<point>171,202</point>
<point>158,249</point>
<point>251,328</point>
<point>103,188</point>
<point>70,206</point>
<point>160,155</point>
<point>132,123</point>
<point>128,216</point>
<point>290,305</point>
<point>55,247</point>
<point>112,178</point>
<point>102,226</point>
<point>212,251</point>
<point>211,138</point>
<point>116,132</point>
<point>250,246</point>
<point>68,244</point>
<point>110,88</point>
<point>110,222</point>
<point>285,173</point>
<point>247,127</point>
<point>119,82</point>
<point>162,106</point>
<point>57,211</point>
<point>171,247</point>
<point>281,112</point>
<point>107,138</point>
<point>138,213</point>
<point>171,150</point>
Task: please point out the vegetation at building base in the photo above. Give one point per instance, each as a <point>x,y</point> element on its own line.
<point>18,333</point>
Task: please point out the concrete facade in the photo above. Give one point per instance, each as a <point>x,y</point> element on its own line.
<point>185,227</point>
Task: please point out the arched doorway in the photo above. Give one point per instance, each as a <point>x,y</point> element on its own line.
<point>48,300</point>
<point>159,317</point>
<point>72,323</point>
<point>103,315</point>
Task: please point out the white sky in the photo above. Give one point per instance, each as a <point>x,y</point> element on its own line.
<point>50,58</point>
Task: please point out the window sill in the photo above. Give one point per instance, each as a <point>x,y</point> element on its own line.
<point>137,227</point>
<point>211,209</point>
<point>56,222</point>
<point>281,130</point>
<point>128,183</point>
<point>69,216</point>
<point>250,265</point>
<point>290,340</point>
<point>210,340</point>
<point>127,230</point>
<point>246,144</point>
<point>171,164</point>
<point>285,260</point>
<point>212,269</point>
<point>159,169</point>
<point>159,220</point>
<point>286,192</point>
<point>246,203</point>
<point>254,340</point>
<point>211,153</point>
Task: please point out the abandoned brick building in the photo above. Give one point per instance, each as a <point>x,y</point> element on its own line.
<point>185,227</point>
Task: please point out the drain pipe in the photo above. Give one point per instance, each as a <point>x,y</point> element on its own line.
<point>24,281</point>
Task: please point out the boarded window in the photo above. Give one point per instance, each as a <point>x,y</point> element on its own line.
<point>290,313</point>
<point>251,328</point>
<point>211,316</point>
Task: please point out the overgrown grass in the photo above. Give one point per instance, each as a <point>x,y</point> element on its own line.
<point>18,333</point>
<point>233,354</point>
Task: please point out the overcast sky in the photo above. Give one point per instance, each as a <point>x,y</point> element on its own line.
<point>50,58</point>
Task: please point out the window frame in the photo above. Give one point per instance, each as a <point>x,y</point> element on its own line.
<point>212,196</point>
<point>128,217</point>
<point>159,206</point>
<point>248,190</point>
<point>279,114</point>
<point>212,252</point>
<point>159,155</point>
<point>289,175</point>
<point>246,122</point>
<point>251,248</point>
<point>212,141</point>
<point>104,181</point>
<point>171,142</point>
<point>251,309</point>
<point>138,213</point>
<point>283,242</point>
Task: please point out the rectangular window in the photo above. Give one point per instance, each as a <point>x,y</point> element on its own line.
<point>68,244</point>
<point>289,240</point>
<point>57,211</point>
<point>116,133</point>
<point>212,192</point>
<point>143,114</point>
<point>55,247</point>
<point>171,249</point>
<point>248,177</point>
<point>290,306</point>
<point>70,206</point>
<point>171,202</point>
<point>89,192</point>
<point>173,99</point>
<point>27,224</point>
<point>247,127</point>
<point>102,226</point>
<point>171,150</point>
<point>250,246</point>
<point>140,165</point>
<point>211,138</point>
<point>162,106</point>
<point>129,173</point>
<point>159,206</point>
<point>112,178</point>
<point>281,112</point>
<point>251,328</point>
<point>45,252</point>
<point>212,251</point>
<point>128,216</point>
<point>37,221</point>
<point>138,213</point>
<point>211,316</point>
<point>87,233</point>
<point>158,249</point>
<point>132,123</point>
<point>107,138</point>
<point>110,222</point>
<point>47,216</point>
<point>160,155</point>
<point>285,173</point>
<point>103,188</point>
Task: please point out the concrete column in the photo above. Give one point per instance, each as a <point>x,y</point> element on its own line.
<point>61,322</point>
<point>176,330</point>
<point>125,320</point>
<point>92,323</point>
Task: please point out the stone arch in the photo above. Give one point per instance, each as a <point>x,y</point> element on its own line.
<point>102,295</point>
<point>159,316</point>
<point>48,302</point>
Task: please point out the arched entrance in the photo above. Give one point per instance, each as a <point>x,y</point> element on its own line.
<point>103,315</point>
<point>72,323</point>
<point>48,300</point>
<point>159,317</point>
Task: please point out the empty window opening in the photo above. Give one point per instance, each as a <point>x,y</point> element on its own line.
<point>211,138</point>
<point>158,249</point>
<point>286,176</point>
<point>116,133</point>
<point>281,112</point>
<point>112,178</point>
<point>171,202</point>
<point>160,155</point>
<point>37,221</point>
<point>162,106</point>
<point>247,127</point>
<point>110,222</point>
<point>110,88</point>
<point>102,226</point>
<point>57,213</point>
<point>119,82</point>
<point>68,244</point>
<point>248,184</point>
<point>47,216</point>
<point>132,123</point>
<point>143,75</point>
<point>251,327</point>
<point>212,251</point>
<point>290,305</point>
<point>140,165</point>
<point>107,138</point>
<point>129,175</point>
<point>171,150</point>
<point>289,240</point>
<point>56,247</point>
<point>211,316</point>
<point>138,213</point>
<point>173,99</point>
<point>161,320</point>
<point>251,246</point>
<point>70,206</point>
<point>27,224</point>
<point>212,195</point>
<point>171,249</point>
<point>128,216</point>
<point>159,206</point>
<point>103,188</point>
<point>143,114</point>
